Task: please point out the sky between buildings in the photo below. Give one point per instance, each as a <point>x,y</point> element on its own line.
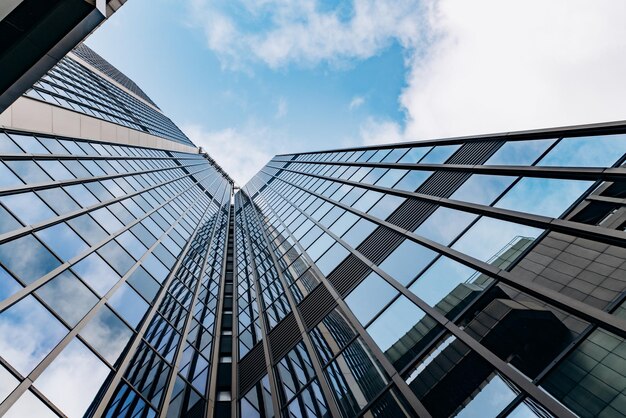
<point>250,79</point>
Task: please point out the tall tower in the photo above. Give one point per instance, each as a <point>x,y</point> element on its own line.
<point>474,277</point>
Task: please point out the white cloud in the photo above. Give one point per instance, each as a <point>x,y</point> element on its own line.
<point>356,102</point>
<point>279,32</point>
<point>509,65</point>
<point>281,110</point>
<point>240,152</point>
<point>376,131</point>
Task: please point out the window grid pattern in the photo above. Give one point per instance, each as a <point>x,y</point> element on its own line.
<point>72,86</point>
<point>102,225</point>
<point>458,294</point>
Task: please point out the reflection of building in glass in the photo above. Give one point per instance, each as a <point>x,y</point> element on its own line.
<point>479,276</point>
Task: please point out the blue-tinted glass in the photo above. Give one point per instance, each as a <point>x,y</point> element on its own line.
<point>386,206</point>
<point>444,225</point>
<point>27,207</point>
<point>490,400</point>
<point>132,244</point>
<point>7,146</point>
<point>58,200</point>
<point>155,268</point>
<point>589,151</point>
<point>359,231</point>
<point>56,170</point>
<point>68,297</point>
<point>96,273</point>
<point>7,221</point>
<point>62,240</point>
<point>128,304</point>
<point>412,180</point>
<point>29,171</point>
<point>482,189</point>
<point>143,282</point>
<point>116,257</point>
<point>520,152</point>
<point>448,281</point>
<point>335,255</point>
<point>489,238</point>
<point>320,246</point>
<point>367,200</point>
<point>8,285</point>
<point>88,229</point>
<point>83,196</point>
<point>439,154</point>
<point>393,327</point>
<point>414,155</point>
<point>29,144</point>
<point>7,178</point>
<point>76,370</point>
<point>406,261</point>
<point>369,297</point>
<point>344,223</point>
<point>107,334</point>
<point>107,220</point>
<point>27,258</point>
<point>547,197</point>
<point>28,332</point>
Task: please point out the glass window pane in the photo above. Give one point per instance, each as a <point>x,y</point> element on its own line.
<point>107,334</point>
<point>406,261</point>
<point>439,154</point>
<point>128,304</point>
<point>333,257</point>
<point>359,231</point>
<point>369,297</point>
<point>73,379</point>
<point>7,221</point>
<point>7,146</point>
<point>63,241</point>
<point>445,224</point>
<point>482,189</point>
<point>96,273</point>
<point>401,331</point>
<point>589,151</point>
<point>27,258</point>
<point>547,197</point>
<point>8,285</point>
<point>28,332</point>
<point>88,229</point>
<point>414,155</point>
<point>143,282</point>
<point>386,206</point>
<point>449,286</point>
<point>68,297</point>
<point>8,382</point>
<point>27,207</point>
<point>115,255</point>
<point>28,405</point>
<point>412,180</point>
<point>58,200</point>
<point>520,152</point>
<point>7,178</point>
<point>488,238</point>
<point>28,171</point>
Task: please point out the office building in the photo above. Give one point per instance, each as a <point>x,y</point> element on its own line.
<point>36,34</point>
<point>473,277</point>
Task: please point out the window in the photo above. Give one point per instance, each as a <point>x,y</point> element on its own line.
<point>412,180</point>
<point>333,257</point>
<point>107,334</point>
<point>445,224</point>
<point>27,207</point>
<point>68,297</point>
<point>590,151</point>
<point>406,261</point>
<point>96,273</point>
<point>439,154</point>
<point>482,189</point>
<point>359,231</point>
<point>520,152</point>
<point>7,178</point>
<point>27,258</point>
<point>386,206</point>
<point>369,297</point>
<point>28,405</point>
<point>547,197</point>
<point>128,304</point>
<point>401,331</point>
<point>75,371</point>
<point>63,241</point>
<point>28,333</point>
<point>489,238</point>
<point>58,200</point>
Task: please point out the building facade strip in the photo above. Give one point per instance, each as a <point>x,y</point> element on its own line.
<point>28,380</point>
<point>506,370</point>
<point>39,117</point>
<point>564,302</point>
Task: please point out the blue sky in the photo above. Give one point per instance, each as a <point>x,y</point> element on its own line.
<point>247,80</point>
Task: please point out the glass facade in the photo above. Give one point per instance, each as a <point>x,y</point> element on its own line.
<point>479,277</point>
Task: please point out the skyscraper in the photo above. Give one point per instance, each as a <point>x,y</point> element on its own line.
<point>476,277</point>
<point>36,34</point>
